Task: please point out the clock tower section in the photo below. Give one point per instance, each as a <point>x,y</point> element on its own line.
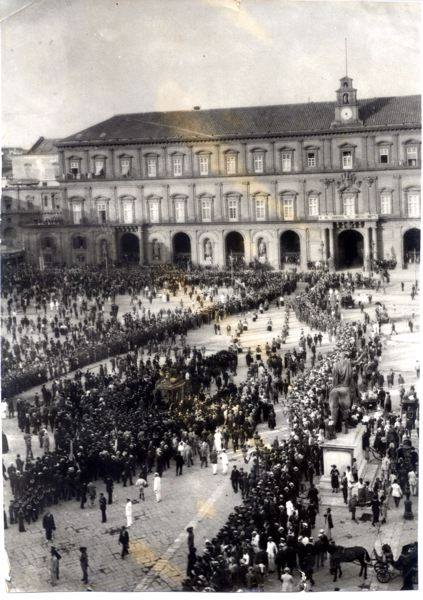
<point>346,107</point>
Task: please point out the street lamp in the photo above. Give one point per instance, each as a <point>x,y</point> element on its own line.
<point>415,266</point>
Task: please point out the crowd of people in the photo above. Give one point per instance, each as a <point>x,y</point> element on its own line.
<point>273,530</point>
<point>70,328</point>
<point>116,425</point>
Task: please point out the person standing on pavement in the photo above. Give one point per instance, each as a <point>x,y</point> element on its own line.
<point>54,565</point>
<point>396,492</point>
<point>190,537</point>
<point>92,492</point>
<point>141,483</point>
<point>128,512</point>
<point>235,479</point>
<point>334,479</point>
<point>328,523</point>
<point>83,561</point>
<point>49,525</point>
<point>109,490</point>
<point>352,507</point>
<point>287,581</point>
<point>213,461</point>
<point>124,540</point>
<point>375,506</point>
<point>103,505</point>
<point>344,487</point>
<point>157,487</point>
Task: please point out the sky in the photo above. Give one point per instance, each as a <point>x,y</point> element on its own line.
<point>67,64</point>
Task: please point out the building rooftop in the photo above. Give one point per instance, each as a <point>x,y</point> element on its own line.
<point>44,146</point>
<point>243,122</point>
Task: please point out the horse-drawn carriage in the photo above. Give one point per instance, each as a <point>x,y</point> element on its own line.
<point>406,564</point>
<point>347,301</point>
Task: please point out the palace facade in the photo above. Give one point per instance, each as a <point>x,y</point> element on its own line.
<point>291,184</point>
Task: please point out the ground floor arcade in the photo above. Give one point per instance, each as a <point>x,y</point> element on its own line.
<point>340,244</point>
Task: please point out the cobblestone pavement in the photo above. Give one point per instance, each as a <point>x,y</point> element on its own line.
<point>157,559</point>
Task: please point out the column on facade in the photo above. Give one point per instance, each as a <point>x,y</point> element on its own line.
<point>371,185</point>
<point>272,201</point>
<point>274,157</point>
<point>191,160</point>
<point>217,146</point>
<point>217,204</point>
<point>371,151</point>
<point>396,196</point>
<point>142,243</point>
<point>366,248</point>
<point>220,250</point>
<point>141,213</point>
<point>194,202</point>
<point>112,163</point>
<point>364,151</point>
<point>248,246</point>
<point>301,155</point>
<point>140,163</point>
<point>395,149</point>
<point>304,251</point>
<point>91,209</point>
<point>87,162</point>
<point>165,161</point>
<point>166,209</point>
<point>331,242</point>
<point>62,163</point>
<point>116,207</point>
<point>195,251</point>
<point>243,167</point>
<point>374,242</point>
<point>248,202</point>
<point>327,154</point>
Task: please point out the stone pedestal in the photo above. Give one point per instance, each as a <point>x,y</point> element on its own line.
<point>341,451</point>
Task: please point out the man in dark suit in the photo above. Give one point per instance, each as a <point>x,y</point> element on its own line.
<point>124,540</point>
<point>49,525</point>
<point>103,505</point>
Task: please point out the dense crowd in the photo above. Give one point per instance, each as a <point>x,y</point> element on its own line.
<point>273,529</point>
<point>117,423</point>
<point>78,332</point>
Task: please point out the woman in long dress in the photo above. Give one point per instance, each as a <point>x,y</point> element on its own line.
<point>128,512</point>
<point>54,565</point>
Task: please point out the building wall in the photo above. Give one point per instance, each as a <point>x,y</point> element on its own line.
<point>128,196</point>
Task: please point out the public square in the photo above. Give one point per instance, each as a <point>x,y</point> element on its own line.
<point>158,554</point>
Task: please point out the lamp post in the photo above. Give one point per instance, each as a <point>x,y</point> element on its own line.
<point>415,266</point>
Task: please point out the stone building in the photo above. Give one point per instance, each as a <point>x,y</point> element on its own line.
<point>289,184</point>
<point>31,196</point>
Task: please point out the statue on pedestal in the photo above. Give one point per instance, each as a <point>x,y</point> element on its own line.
<point>341,394</point>
<point>208,251</point>
<point>262,250</point>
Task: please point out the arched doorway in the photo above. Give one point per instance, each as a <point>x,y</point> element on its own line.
<point>130,248</point>
<point>411,244</point>
<point>350,249</point>
<point>234,244</point>
<point>290,248</point>
<point>181,249</point>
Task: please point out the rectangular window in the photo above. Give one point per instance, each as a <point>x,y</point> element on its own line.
<point>286,162</point>
<point>180,211</point>
<point>128,212</point>
<point>349,205</point>
<point>258,161</point>
<point>99,167</point>
<point>125,166</point>
<point>204,165</point>
<point>311,159</point>
<point>177,166</point>
<point>102,212</point>
<point>347,159</point>
<point>385,204</point>
<point>260,209</point>
<point>413,201</point>
<point>384,155</point>
<point>411,156</point>
<point>74,167</point>
<point>77,213</point>
<point>152,167</point>
<point>45,201</point>
<point>233,209</point>
<point>206,210</point>
<point>313,206</point>
<point>288,209</point>
<point>154,212</point>
<point>231,164</point>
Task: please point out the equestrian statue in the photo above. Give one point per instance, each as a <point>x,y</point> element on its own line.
<point>343,392</point>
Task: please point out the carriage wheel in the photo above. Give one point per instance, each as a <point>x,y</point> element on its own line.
<point>382,575</point>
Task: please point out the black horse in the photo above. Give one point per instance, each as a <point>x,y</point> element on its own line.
<point>339,554</point>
